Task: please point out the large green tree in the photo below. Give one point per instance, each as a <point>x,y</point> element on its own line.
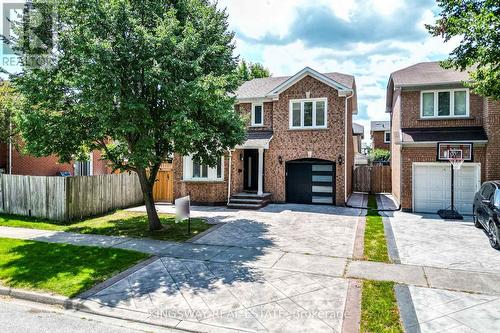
<point>138,79</point>
<point>477,24</point>
<point>248,71</point>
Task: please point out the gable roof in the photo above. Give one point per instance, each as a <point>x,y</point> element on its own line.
<point>358,129</point>
<point>427,73</point>
<point>376,126</point>
<point>271,86</point>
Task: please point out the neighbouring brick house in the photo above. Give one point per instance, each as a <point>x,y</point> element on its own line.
<point>299,145</point>
<point>380,132</point>
<point>48,166</point>
<point>429,104</point>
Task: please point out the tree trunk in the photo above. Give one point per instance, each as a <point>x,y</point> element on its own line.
<point>147,192</point>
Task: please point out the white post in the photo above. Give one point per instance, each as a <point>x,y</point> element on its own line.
<point>261,172</point>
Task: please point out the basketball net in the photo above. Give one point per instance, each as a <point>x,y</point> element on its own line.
<point>455,157</point>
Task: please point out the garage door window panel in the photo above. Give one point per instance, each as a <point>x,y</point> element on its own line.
<point>310,182</point>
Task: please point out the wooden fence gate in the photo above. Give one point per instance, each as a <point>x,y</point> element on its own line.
<point>164,186</point>
<point>372,179</point>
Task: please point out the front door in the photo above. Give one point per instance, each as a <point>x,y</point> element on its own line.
<point>250,169</point>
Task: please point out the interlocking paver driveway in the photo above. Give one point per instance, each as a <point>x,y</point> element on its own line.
<point>277,269</point>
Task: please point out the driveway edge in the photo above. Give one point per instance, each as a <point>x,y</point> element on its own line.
<point>109,282</point>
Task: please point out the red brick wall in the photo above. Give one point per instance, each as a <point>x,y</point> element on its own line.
<point>426,154</point>
<point>49,166</point>
<point>378,141</point>
<point>326,144</point>
<point>492,128</point>
<point>410,104</point>
<point>211,192</point>
<point>395,146</point>
<point>245,110</point>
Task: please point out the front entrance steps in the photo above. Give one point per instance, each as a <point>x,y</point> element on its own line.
<point>248,200</point>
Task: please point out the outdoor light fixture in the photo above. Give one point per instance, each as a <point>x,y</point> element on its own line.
<point>241,157</point>
<point>280,159</point>
<point>340,160</point>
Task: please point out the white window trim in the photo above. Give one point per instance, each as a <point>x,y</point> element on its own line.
<point>452,104</point>
<point>254,124</point>
<point>302,101</point>
<point>385,136</point>
<point>187,175</point>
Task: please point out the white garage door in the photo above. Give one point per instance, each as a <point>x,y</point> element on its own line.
<point>431,187</point>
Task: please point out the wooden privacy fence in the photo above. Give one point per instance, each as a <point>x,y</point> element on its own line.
<point>68,198</point>
<point>372,179</point>
<point>163,189</point>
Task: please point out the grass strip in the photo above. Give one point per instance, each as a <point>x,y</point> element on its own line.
<point>379,308</point>
<point>375,244</point>
<point>119,223</point>
<point>63,269</point>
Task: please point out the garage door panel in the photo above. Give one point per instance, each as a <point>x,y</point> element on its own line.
<point>310,181</point>
<point>432,186</point>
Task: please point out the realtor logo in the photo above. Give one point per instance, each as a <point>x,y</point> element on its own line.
<point>38,33</point>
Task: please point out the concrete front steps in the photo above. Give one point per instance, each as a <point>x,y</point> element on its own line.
<point>249,200</point>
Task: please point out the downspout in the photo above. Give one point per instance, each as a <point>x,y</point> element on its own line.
<point>229,176</point>
<point>345,146</point>
<point>10,147</point>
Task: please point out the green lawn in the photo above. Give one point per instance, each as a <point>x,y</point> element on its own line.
<point>120,223</point>
<point>375,243</point>
<point>60,268</point>
<point>379,308</point>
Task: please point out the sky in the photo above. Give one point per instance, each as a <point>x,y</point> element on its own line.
<point>369,39</point>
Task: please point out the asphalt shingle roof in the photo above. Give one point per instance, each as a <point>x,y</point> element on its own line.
<point>358,129</point>
<point>376,126</point>
<point>444,134</point>
<point>258,88</point>
<point>427,73</point>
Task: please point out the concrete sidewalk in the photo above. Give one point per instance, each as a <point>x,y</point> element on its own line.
<point>150,246</point>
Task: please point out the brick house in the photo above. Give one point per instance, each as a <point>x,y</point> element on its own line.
<point>48,166</point>
<point>299,145</point>
<point>427,105</point>
<point>380,132</point>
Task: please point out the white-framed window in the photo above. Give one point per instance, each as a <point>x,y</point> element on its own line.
<point>308,113</point>
<point>85,168</point>
<point>387,136</point>
<point>449,103</point>
<point>257,114</point>
<point>198,172</point>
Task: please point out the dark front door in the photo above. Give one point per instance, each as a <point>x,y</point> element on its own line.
<point>250,169</point>
<point>310,181</point>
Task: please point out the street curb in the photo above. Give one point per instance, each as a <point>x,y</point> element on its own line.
<point>38,297</point>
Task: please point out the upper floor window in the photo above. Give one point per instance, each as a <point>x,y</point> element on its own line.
<point>308,113</point>
<point>444,103</point>
<point>257,114</point>
<point>196,171</point>
<point>387,136</point>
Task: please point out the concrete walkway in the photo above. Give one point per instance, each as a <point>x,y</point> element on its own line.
<point>150,246</point>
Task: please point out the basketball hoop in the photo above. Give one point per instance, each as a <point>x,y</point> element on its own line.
<point>455,157</point>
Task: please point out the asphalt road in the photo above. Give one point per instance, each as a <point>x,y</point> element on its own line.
<point>19,317</point>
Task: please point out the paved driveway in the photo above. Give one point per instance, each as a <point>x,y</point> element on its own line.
<point>277,269</point>
<point>427,240</point>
